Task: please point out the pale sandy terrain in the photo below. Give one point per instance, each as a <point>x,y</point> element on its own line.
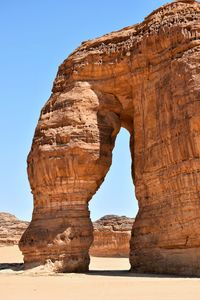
<point>114,284</point>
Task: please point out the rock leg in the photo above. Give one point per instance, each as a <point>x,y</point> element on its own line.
<point>165,237</point>
<point>70,155</point>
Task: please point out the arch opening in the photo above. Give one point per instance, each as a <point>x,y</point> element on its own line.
<point>117,193</point>
<point>112,209</point>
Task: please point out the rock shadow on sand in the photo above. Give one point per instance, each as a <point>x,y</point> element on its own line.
<point>12,266</point>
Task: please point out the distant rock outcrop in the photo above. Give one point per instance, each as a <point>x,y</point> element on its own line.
<point>11,229</point>
<point>112,236</point>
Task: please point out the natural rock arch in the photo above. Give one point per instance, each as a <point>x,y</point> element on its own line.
<point>146,79</point>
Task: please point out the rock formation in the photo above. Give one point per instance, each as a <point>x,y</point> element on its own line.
<point>11,229</point>
<point>146,79</point>
<point>112,236</point>
<point>186,1</point>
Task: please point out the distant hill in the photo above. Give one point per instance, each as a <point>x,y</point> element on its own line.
<point>111,236</point>
<point>11,229</point>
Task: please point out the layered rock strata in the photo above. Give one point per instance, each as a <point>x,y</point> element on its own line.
<point>112,236</point>
<point>11,229</point>
<point>146,79</point>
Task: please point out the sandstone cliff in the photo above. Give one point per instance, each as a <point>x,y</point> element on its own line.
<point>146,79</point>
<point>112,236</point>
<point>11,229</point>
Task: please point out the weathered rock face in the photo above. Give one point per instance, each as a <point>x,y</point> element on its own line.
<point>145,78</point>
<point>11,229</point>
<point>112,236</point>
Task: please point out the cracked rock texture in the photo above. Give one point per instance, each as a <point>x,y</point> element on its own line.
<point>11,229</point>
<point>112,236</point>
<point>145,78</point>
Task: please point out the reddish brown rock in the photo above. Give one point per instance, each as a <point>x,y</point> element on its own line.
<point>11,229</point>
<point>146,79</point>
<point>112,236</point>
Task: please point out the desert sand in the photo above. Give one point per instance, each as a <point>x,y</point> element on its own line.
<point>108,279</point>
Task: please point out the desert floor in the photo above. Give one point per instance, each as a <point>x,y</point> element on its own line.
<point>108,279</point>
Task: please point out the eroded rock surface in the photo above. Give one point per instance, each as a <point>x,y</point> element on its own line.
<point>145,78</point>
<point>112,236</point>
<point>11,229</point>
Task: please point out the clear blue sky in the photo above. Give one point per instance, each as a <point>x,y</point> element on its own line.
<point>36,36</point>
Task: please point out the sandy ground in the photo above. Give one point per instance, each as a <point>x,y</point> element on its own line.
<point>107,280</point>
